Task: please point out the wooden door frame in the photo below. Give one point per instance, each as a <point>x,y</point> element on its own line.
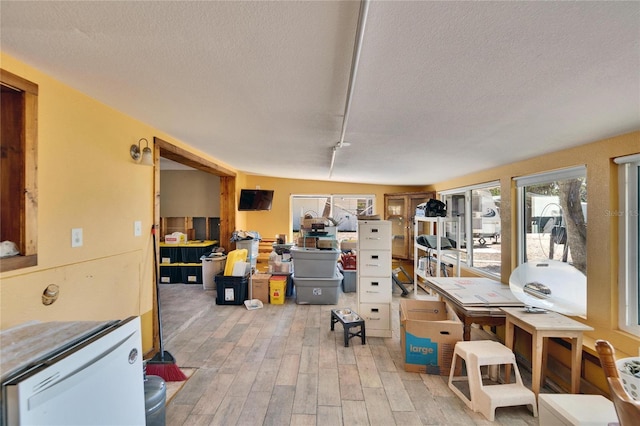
<point>227,202</point>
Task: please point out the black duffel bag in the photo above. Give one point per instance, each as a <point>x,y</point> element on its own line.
<point>435,208</point>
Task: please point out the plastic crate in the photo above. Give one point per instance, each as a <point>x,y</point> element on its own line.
<point>170,255</point>
<point>170,274</point>
<point>231,290</point>
<point>191,274</point>
<point>193,252</point>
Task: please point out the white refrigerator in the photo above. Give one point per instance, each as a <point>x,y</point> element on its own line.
<point>73,373</point>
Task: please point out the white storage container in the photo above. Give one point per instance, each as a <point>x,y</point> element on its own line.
<point>574,410</point>
<point>317,291</point>
<point>252,247</point>
<point>211,266</point>
<point>314,263</point>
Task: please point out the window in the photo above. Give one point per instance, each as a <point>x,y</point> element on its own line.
<point>344,209</point>
<point>477,210</point>
<point>629,237</point>
<point>552,217</point>
<point>18,189</point>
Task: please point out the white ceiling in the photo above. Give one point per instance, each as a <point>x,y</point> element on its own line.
<point>442,88</point>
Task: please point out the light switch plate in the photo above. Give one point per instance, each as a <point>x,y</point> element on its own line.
<point>137,228</point>
<point>76,237</point>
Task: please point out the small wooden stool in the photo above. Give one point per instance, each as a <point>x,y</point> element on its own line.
<point>348,318</point>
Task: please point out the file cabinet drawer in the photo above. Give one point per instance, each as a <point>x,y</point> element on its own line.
<point>374,235</point>
<point>374,263</point>
<point>375,289</point>
<point>376,315</point>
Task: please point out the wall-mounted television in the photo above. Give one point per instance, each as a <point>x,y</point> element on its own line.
<point>255,199</point>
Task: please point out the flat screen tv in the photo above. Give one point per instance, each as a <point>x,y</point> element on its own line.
<point>255,199</point>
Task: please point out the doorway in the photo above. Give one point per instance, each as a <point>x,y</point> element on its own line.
<point>164,149</point>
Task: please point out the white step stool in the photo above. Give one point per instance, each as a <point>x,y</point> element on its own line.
<point>486,399</point>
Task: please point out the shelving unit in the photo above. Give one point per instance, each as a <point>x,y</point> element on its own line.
<point>196,228</point>
<point>436,228</point>
<point>374,276</point>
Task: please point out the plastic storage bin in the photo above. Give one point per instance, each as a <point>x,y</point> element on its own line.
<point>211,266</point>
<point>170,254</point>
<point>193,251</point>
<point>170,274</point>
<point>252,247</point>
<point>231,290</point>
<point>348,280</point>
<point>318,291</point>
<point>314,263</point>
<point>191,273</point>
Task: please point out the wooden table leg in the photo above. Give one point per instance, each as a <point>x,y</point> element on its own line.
<point>508,342</point>
<point>576,363</point>
<point>466,332</point>
<point>536,363</point>
<point>543,364</point>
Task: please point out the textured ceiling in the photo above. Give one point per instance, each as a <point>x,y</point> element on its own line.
<point>443,88</point>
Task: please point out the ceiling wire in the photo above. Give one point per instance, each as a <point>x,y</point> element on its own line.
<point>362,18</point>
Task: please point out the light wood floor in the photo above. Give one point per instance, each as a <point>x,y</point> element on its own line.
<point>282,365</point>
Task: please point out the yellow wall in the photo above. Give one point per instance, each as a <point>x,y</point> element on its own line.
<point>86,179</point>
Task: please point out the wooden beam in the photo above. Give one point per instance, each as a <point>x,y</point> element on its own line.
<point>179,155</point>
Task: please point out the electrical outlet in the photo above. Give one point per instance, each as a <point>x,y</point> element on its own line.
<point>137,228</point>
<point>76,237</point>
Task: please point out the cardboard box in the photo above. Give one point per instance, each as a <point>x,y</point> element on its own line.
<point>260,287</point>
<point>176,238</point>
<point>429,331</point>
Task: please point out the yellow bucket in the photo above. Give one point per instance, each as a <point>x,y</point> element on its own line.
<point>277,288</point>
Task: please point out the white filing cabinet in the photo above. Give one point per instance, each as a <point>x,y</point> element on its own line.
<point>374,276</point>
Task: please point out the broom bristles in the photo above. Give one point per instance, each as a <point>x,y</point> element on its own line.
<point>168,372</point>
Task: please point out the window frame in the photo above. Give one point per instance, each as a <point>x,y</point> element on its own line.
<point>534,179</point>
<point>332,198</point>
<point>629,241</point>
<point>467,226</point>
<point>28,206</point>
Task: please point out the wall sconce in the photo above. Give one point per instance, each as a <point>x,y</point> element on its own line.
<point>143,157</point>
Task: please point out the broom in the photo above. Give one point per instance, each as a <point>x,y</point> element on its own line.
<point>163,364</point>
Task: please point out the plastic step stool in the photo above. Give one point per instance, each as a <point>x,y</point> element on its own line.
<point>485,399</point>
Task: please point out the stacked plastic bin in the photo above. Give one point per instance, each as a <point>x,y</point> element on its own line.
<point>348,269</point>
<point>316,276</point>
